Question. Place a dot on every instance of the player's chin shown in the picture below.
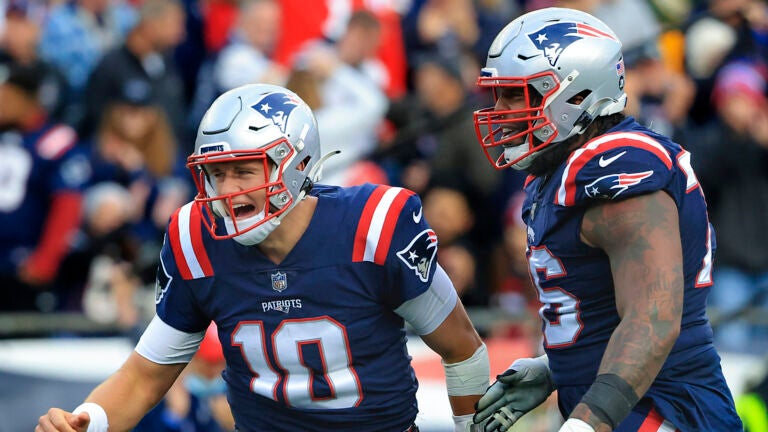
(514, 143)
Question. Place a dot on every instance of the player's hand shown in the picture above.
(59, 420)
(524, 386)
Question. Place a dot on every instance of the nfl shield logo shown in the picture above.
(279, 281)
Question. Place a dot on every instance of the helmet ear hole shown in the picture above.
(301, 166)
(578, 98)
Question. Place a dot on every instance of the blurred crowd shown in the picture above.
(100, 100)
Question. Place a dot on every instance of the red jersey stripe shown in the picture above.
(178, 253)
(385, 239)
(361, 236)
(567, 192)
(196, 234)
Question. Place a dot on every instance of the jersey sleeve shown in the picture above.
(71, 169)
(184, 267)
(412, 256)
(614, 167)
(391, 232)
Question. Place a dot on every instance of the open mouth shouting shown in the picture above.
(242, 211)
(515, 136)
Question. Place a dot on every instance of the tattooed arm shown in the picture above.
(641, 237)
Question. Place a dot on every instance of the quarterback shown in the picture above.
(309, 285)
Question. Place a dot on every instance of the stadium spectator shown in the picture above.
(19, 40)
(448, 27)
(135, 146)
(144, 59)
(348, 105)
(75, 35)
(102, 267)
(247, 57)
(729, 156)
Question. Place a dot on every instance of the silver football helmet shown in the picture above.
(264, 123)
(552, 56)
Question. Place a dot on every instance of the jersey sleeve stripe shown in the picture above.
(361, 235)
(528, 180)
(566, 193)
(178, 253)
(389, 223)
(377, 223)
(189, 251)
(54, 143)
(196, 234)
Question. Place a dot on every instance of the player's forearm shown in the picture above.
(461, 405)
(642, 239)
(629, 367)
(637, 350)
(131, 392)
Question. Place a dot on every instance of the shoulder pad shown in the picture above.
(377, 223)
(185, 234)
(614, 166)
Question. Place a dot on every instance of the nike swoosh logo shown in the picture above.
(605, 162)
(417, 217)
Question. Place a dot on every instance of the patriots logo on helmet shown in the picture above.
(553, 39)
(277, 107)
(612, 185)
(420, 253)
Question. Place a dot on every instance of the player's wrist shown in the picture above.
(610, 398)
(470, 376)
(576, 425)
(97, 414)
(461, 423)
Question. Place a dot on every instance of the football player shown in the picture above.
(41, 176)
(309, 285)
(619, 244)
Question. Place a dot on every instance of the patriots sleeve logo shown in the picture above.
(610, 186)
(162, 282)
(420, 253)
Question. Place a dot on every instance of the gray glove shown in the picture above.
(524, 386)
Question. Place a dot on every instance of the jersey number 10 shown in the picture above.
(327, 335)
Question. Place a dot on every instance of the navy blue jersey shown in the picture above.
(34, 167)
(312, 342)
(575, 283)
